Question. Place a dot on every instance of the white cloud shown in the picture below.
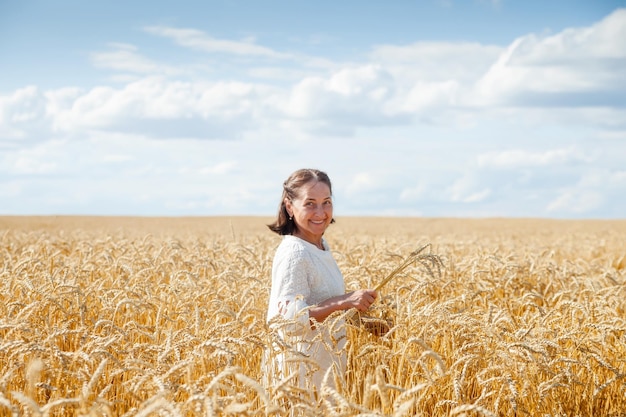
(604, 178)
(598, 189)
(478, 196)
(10, 190)
(349, 97)
(425, 81)
(436, 61)
(429, 96)
(519, 158)
(278, 73)
(22, 113)
(117, 158)
(45, 158)
(605, 39)
(432, 77)
(124, 57)
(196, 39)
(412, 194)
(615, 135)
(576, 67)
(221, 168)
(539, 122)
(26, 165)
(246, 48)
(160, 108)
(360, 183)
(575, 201)
(468, 190)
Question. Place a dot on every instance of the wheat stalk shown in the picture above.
(429, 260)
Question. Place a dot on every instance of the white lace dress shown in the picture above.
(302, 276)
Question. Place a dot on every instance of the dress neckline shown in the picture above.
(323, 248)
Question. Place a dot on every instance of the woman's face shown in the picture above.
(312, 211)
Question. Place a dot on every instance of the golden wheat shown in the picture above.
(142, 317)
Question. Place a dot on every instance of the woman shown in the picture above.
(306, 282)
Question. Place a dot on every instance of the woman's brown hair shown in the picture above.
(284, 225)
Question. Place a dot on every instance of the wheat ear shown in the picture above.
(427, 259)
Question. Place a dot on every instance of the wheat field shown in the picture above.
(166, 317)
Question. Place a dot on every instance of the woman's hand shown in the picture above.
(360, 299)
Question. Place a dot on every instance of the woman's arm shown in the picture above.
(360, 299)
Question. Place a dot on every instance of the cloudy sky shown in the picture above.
(464, 108)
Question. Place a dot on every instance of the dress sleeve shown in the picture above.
(291, 278)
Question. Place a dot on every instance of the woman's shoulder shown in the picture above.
(292, 251)
(294, 247)
(292, 244)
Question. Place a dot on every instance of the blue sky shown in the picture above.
(431, 108)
